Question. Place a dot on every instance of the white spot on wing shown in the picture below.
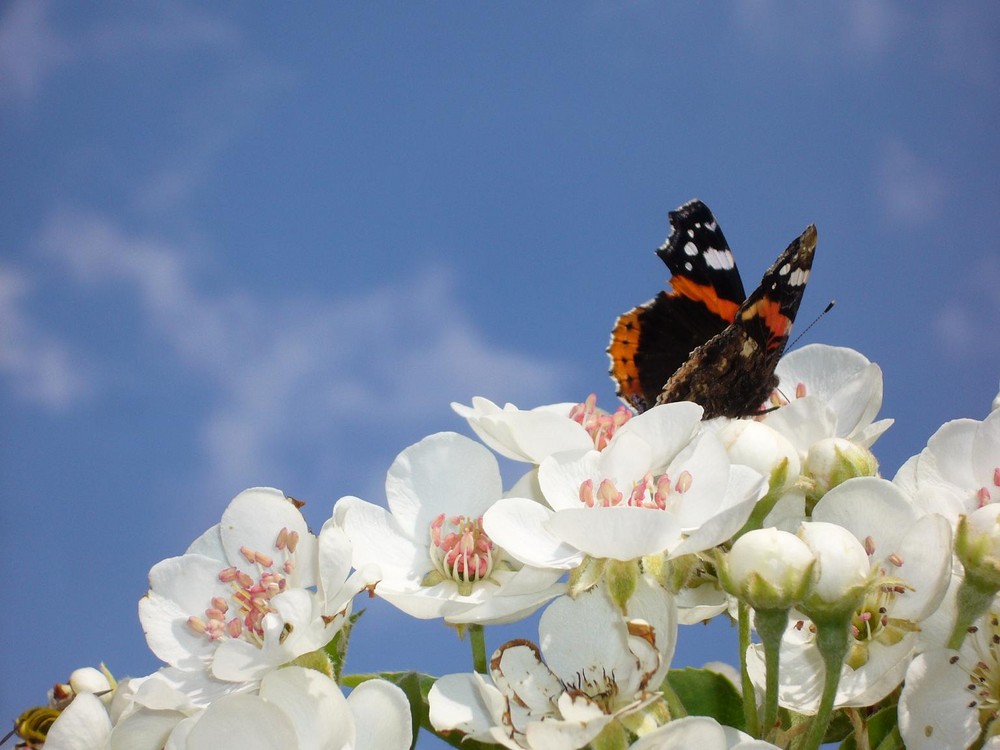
(799, 277)
(711, 226)
(688, 266)
(691, 249)
(719, 260)
(785, 269)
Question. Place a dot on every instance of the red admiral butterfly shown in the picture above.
(706, 341)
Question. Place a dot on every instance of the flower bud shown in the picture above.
(977, 544)
(833, 461)
(89, 680)
(760, 447)
(768, 569)
(842, 570)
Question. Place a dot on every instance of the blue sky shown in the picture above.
(267, 244)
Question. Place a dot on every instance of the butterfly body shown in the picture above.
(706, 341)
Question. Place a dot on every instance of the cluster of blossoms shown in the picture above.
(867, 608)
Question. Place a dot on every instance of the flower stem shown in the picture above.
(974, 599)
(770, 625)
(749, 696)
(477, 639)
(832, 639)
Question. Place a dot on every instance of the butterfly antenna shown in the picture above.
(814, 322)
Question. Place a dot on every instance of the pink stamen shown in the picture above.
(600, 425)
(800, 390)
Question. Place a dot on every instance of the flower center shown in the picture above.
(461, 551)
(985, 675)
(871, 622)
(600, 425)
(649, 492)
(242, 614)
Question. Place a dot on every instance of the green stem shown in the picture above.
(770, 625)
(974, 599)
(749, 696)
(832, 640)
(477, 639)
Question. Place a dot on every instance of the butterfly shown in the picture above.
(706, 341)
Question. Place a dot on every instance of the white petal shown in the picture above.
(519, 526)
(84, 725)
(619, 533)
(934, 710)
(465, 703)
(314, 704)
(244, 721)
(869, 507)
(253, 519)
(381, 716)
(667, 428)
(144, 730)
(443, 473)
(684, 733)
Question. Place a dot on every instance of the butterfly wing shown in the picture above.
(732, 374)
(650, 342)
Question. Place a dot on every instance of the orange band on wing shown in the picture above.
(778, 324)
(724, 308)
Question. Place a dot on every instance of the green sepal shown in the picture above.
(336, 649)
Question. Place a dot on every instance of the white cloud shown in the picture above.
(854, 30)
(290, 374)
(38, 367)
(909, 189)
(965, 327)
(32, 48)
(29, 49)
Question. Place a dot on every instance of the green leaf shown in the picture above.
(706, 693)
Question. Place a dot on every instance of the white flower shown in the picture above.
(435, 558)
(950, 696)
(648, 492)
(252, 593)
(869, 539)
(844, 380)
(959, 470)
(298, 708)
(701, 732)
(598, 668)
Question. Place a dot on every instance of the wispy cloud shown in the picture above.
(288, 374)
(909, 189)
(965, 326)
(38, 366)
(853, 31)
(29, 49)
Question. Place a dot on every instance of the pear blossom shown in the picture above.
(841, 378)
(252, 593)
(873, 544)
(672, 491)
(594, 669)
(435, 557)
(959, 470)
